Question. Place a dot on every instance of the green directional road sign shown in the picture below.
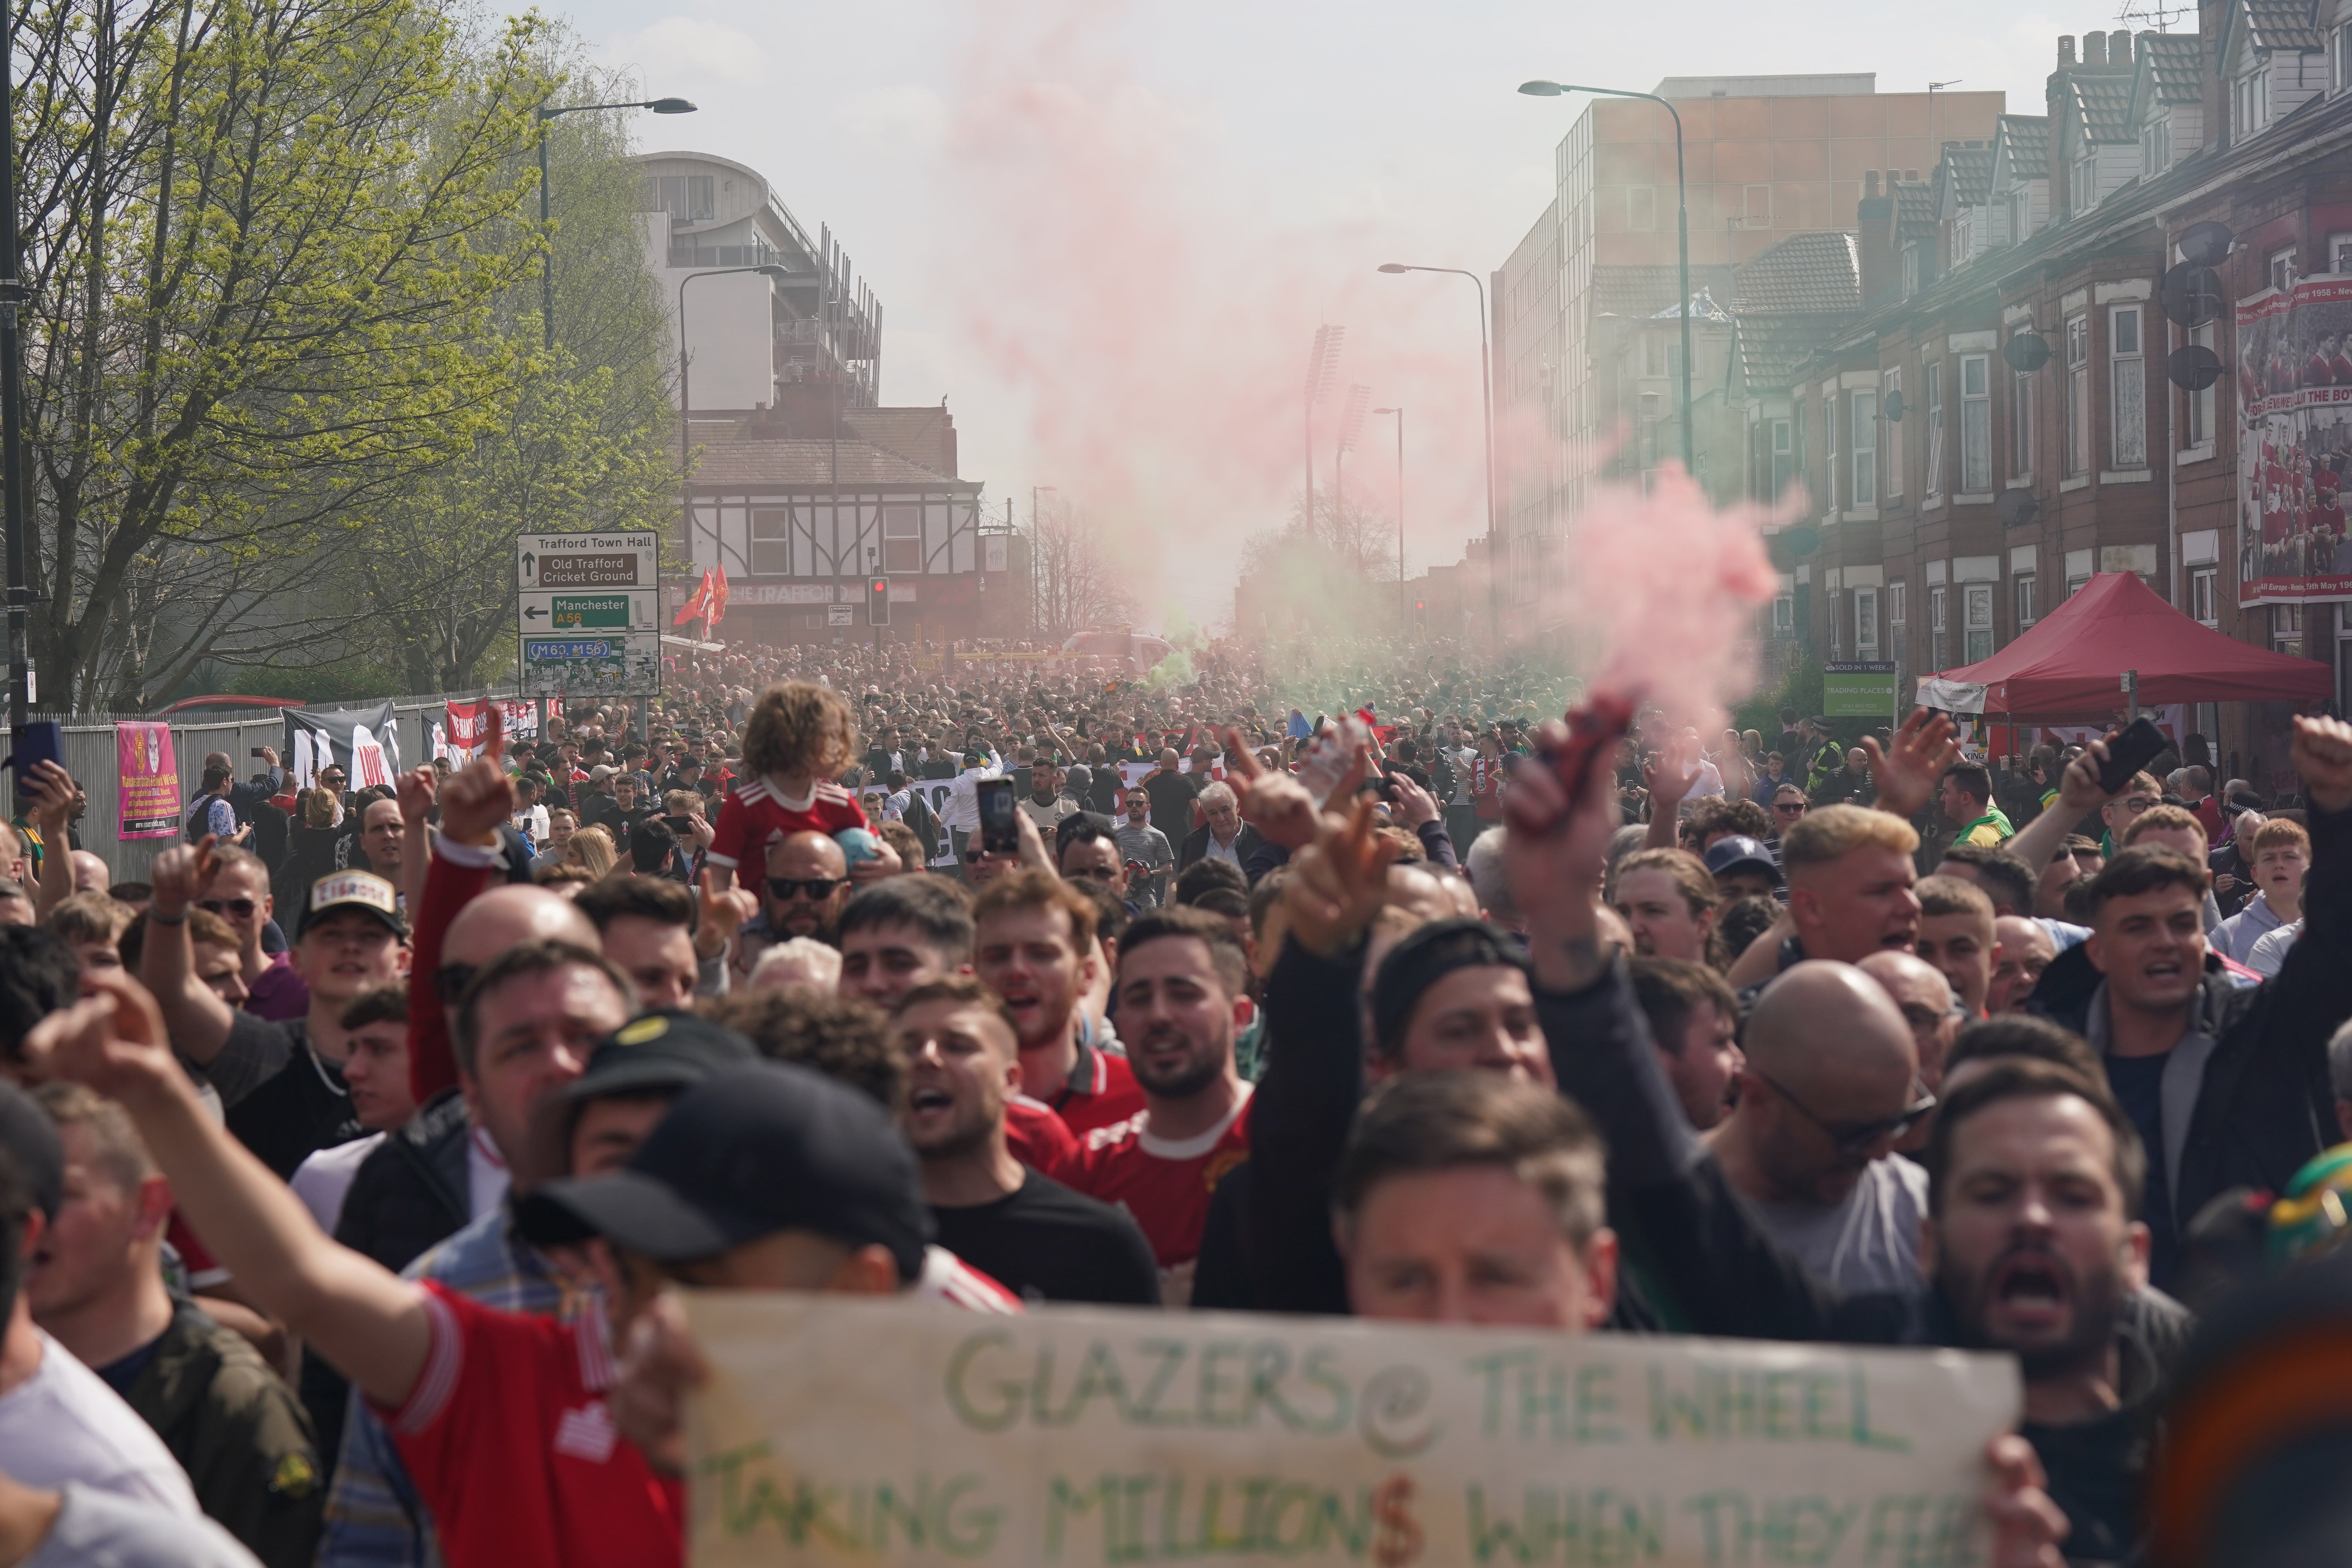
(590, 610)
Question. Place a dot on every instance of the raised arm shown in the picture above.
(47, 795)
(1909, 769)
(2313, 992)
(2078, 795)
(197, 1019)
(460, 861)
(364, 1319)
(1669, 778)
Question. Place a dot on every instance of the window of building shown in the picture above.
(1893, 380)
(2155, 146)
(1910, 270)
(1783, 435)
(1976, 424)
(2205, 595)
(1898, 627)
(1866, 622)
(2085, 190)
(1977, 606)
(2078, 395)
(2126, 388)
(1863, 407)
(2250, 97)
(2021, 427)
(2198, 424)
(1641, 206)
(2281, 269)
(2076, 584)
(1837, 624)
(1938, 639)
(2021, 596)
(1784, 612)
(1933, 483)
(687, 198)
(902, 538)
(1830, 454)
(2021, 216)
(2339, 245)
(2339, 50)
(1652, 415)
(771, 541)
(2286, 629)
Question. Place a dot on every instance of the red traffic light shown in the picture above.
(881, 585)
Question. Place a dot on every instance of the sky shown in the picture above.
(1105, 232)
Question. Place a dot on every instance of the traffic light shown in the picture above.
(877, 601)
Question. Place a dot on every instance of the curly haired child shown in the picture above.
(798, 736)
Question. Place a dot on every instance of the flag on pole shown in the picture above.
(718, 606)
(697, 604)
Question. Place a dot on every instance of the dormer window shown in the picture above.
(2250, 100)
(2087, 181)
(1910, 270)
(2155, 146)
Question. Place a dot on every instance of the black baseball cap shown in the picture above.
(1429, 955)
(750, 1151)
(657, 1051)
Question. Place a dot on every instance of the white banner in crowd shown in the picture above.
(848, 1431)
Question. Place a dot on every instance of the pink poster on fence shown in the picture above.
(147, 782)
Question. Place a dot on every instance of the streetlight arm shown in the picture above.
(1486, 403)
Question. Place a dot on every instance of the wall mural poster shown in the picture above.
(2294, 388)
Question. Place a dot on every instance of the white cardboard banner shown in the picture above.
(841, 1431)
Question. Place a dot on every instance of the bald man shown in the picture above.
(2026, 950)
(1830, 1086)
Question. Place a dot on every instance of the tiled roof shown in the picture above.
(1771, 349)
(2028, 136)
(2284, 25)
(1645, 290)
(2104, 104)
(1964, 176)
(1805, 274)
(2175, 63)
(1914, 211)
(726, 464)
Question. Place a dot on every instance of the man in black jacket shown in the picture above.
(2030, 1244)
(2227, 1085)
(1225, 835)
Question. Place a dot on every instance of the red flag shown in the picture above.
(718, 608)
(698, 604)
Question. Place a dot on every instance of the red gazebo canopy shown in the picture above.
(2067, 668)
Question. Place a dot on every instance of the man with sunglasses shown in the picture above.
(1831, 1085)
(239, 894)
(807, 887)
(1789, 806)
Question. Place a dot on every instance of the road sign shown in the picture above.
(1857, 691)
(838, 615)
(587, 607)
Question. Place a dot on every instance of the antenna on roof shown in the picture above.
(2158, 17)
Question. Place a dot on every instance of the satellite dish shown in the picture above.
(2026, 353)
(2016, 508)
(2190, 294)
(1802, 540)
(2205, 244)
(2194, 368)
(1894, 405)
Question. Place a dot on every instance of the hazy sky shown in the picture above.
(1105, 233)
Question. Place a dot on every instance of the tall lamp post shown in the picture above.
(686, 404)
(1399, 412)
(1486, 402)
(1682, 231)
(546, 258)
(12, 433)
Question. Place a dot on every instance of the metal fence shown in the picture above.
(91, 757)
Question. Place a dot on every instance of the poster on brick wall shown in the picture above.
(2294, 392)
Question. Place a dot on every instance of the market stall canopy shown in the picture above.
(2068, 667)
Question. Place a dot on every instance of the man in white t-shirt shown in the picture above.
(59, 1423)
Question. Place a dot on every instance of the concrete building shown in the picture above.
(1765, 158)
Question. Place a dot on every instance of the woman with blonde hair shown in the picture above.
(591, 847)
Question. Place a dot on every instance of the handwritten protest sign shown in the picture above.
(839, 1431)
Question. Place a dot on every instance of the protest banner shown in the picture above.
(147, 782)
(837, 1430)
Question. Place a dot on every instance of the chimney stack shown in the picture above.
(1881, 271)
(2095, 48)
(2065, 52)
(1869, 183)
(2119, 47)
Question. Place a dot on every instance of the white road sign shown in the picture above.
(587, 606)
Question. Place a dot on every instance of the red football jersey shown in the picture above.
(510, 1446)
(757, 815)
(1166, 1185)
(1101, 1090)
(1039, 1139)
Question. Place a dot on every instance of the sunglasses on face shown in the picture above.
(818, 889)
(1786, 809)
(236, 909)
(1854, 1138)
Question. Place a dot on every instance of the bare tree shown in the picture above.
(1079, 589)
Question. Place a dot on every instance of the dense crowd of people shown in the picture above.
(351, 1154)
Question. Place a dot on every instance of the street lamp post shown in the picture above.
(1399, 412)
(1486, 402)
(547, 258)
(686, 405)
(12, 433)
(1682, 232)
